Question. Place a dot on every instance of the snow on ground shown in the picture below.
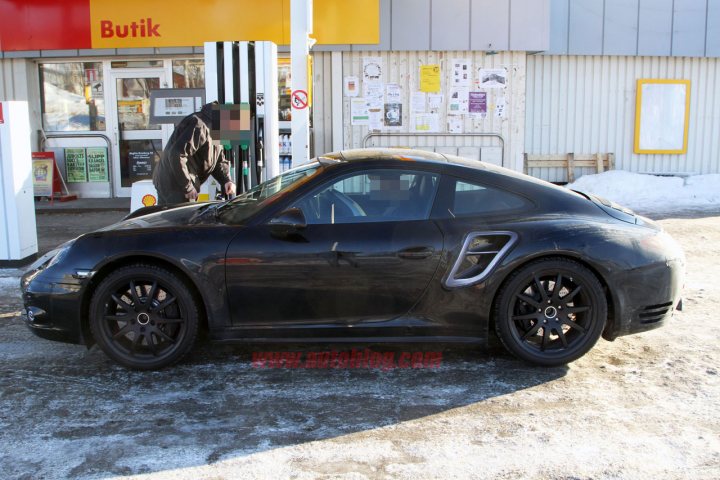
(650, 193)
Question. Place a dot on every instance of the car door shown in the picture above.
(365, 257)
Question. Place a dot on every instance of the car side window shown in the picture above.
(372, 196)
(475, 199)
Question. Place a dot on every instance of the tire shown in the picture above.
(547, 326)
(149, 329)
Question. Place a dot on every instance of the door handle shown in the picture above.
(415, 253)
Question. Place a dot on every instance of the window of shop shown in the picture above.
(189, 73)
(284, 89)
(72, 96)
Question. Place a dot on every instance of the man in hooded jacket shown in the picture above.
(189, 158)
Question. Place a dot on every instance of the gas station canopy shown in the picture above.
(83, 24)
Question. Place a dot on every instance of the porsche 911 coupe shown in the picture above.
(364, 245)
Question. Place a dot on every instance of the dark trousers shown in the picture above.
(170, 198)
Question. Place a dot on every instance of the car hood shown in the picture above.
(173, 216)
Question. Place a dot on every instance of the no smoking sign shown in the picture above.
(299, 99)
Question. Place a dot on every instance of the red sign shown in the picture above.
(2, 119)
(299, 99)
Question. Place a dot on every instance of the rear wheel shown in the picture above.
(144, 317)
(551, 312)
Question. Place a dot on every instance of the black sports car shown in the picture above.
(391, 245)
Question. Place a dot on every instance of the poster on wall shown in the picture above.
(430, 78)
(97, 164)
(435, 100)
(417, 101)
(359, 114)
(393, 114)
(141, 163)
(477, 103)
(43, 170)
(75, 165)
(460, 72)
(427, 122)
(351, 86)
(376, 114)
(393, 93)
(373, 90)
(458, 102)
(500, 107)
(372, 69)
(455, 124)
(492, 77)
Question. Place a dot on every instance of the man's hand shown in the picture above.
(192, 195)
(230, 189)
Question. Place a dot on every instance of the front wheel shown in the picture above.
(551, 312)
(144, 317)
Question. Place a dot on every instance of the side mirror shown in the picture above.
(288, 221)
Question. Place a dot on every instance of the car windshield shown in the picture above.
(249, 203)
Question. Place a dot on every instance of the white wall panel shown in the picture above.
(322, 121)
(403, 68)
(19, 81)
(586, 104)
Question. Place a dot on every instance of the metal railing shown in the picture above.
(369, 136)
(108, 142)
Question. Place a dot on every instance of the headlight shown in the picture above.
(52, 257)
(61, 253)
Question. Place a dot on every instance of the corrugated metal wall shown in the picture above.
(403, 68)
(586, 104)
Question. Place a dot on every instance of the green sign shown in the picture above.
(97, 164)
(75, 165)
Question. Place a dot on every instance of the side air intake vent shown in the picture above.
(654, 313)
(480, 253)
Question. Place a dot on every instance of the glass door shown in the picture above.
(138, 143)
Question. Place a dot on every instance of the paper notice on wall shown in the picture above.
(500, 107)
(417, 101)
(359, 114)
(427, 122)
(351, 86)
(430, 78)
(492, 77)
(458, 101)
(477, 104)
(393, 93)
(455, 124)
(435, 100)
(373, 90)
(375, 121)
(372, 69)
(461, 73)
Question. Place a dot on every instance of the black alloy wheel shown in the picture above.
(143, 317)
(551, 312)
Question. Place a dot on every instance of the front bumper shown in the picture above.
(646, 297)
(52, 309)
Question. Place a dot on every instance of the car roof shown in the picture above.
(425, 156)
(402, 154)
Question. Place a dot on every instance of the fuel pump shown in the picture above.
(245, 74)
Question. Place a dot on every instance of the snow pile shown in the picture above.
(650, 193)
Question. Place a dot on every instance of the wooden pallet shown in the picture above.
(599, 161)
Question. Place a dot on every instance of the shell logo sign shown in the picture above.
(34, 25)
(149, 200)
